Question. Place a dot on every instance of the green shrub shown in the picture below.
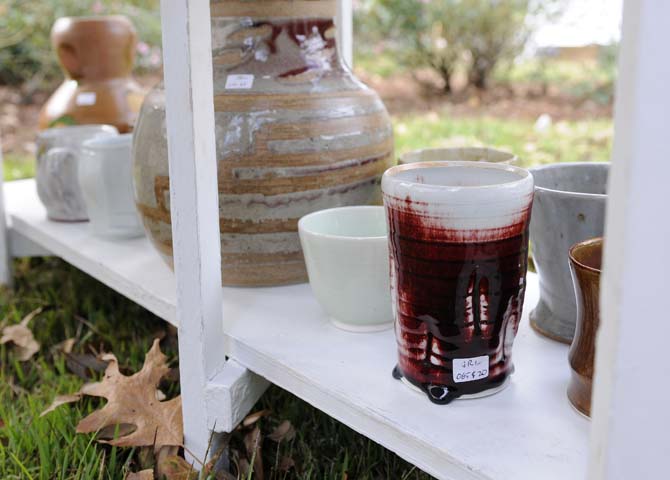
(446, 35)
(26, 55)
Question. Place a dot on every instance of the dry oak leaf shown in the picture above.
(61, 400)
(22, 337)
(132, 400)
(147, 474)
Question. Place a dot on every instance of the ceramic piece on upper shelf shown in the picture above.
(469, 154)
(56, 173)
(585, 266)
(346, 252)
(458, 234)
(296, 132)
(569, 207)
(106, 179)
(96, 55)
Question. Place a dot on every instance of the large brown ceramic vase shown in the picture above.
(96, 54)
(296, 132)
(585, 265)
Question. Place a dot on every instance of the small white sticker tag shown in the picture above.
(240, 82)
(470, 369)
(85, 98)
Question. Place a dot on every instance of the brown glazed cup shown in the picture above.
(585, 264)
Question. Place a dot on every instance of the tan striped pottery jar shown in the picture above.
(296, 132)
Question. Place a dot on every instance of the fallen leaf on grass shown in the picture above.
(284, 431)
(65, 346)
(132, 400)
(61, 400)
(22, 337)
(254, 417)
(175, 467)
(285, 464)
(84, 365)
(252, 442)
(147, 474)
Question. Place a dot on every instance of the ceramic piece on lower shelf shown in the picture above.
(58, 153)
(569, 207)
(585, 266)
(458, 234)
(346, 253)
(106, 179)
(465, 154)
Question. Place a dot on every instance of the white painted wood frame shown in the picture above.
(194, 207)
(631, 418)
(345, 30)
(5, 259)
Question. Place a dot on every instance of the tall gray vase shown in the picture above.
(569, 207)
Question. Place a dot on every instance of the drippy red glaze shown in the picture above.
(458, 295)
(299, 31)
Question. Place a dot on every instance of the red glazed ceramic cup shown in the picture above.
(458, 238)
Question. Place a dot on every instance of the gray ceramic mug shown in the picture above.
(56, 175)
(569, 207)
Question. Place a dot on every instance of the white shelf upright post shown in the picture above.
(631, 418)
(5, 259)
(216, 393)
(194, 201)
(345, 30)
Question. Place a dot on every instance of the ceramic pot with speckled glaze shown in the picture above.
(569, 207)
(458, 243)
(585, 265)
(296, 132)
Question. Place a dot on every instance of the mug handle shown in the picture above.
(61, 167)
(57, 159)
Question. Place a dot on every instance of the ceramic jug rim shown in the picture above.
(93, 19)
(523, 175)
(505, 156)
(590, 243)
(302, 224)
(108, 143)
(568, 165)
(76, 130)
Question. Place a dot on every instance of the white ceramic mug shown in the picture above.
(58, 153)
(106, 179)
(458, 154)
(346, 253)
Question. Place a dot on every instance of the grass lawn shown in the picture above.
(100, 320)
(578, 141)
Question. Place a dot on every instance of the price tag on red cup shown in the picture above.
(470, 369)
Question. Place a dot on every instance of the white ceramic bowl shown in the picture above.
(346, 252)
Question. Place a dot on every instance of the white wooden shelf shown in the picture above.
(131, 267)
(528, 431)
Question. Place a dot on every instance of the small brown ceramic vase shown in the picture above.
(585, 261)
(96, 54)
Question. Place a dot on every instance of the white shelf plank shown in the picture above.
(131, 267)
(528, 431)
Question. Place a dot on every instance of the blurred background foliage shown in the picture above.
(26, 56)
(474, 36)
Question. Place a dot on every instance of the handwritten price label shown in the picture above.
(239, 82)
(470, 369)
